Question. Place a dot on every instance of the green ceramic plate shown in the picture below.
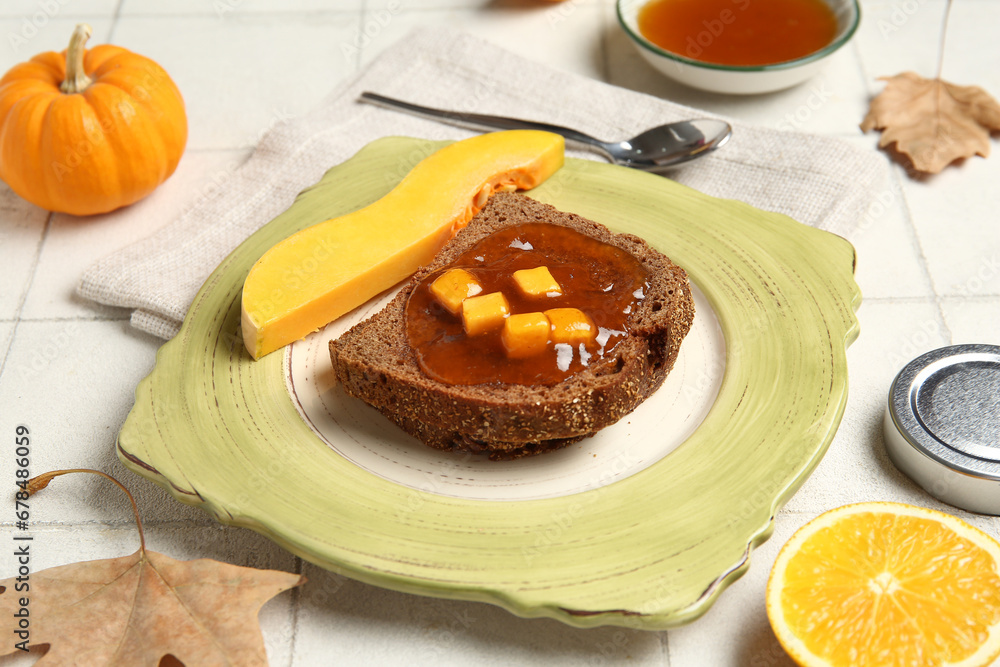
(643, 525)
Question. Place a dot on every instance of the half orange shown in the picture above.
(887, 584)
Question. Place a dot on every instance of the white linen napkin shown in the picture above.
(819, 181)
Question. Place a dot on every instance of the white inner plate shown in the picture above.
(363, 436)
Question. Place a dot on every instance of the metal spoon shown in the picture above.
(654, 150)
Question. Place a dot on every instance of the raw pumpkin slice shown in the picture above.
(887, 584)
(320, 273)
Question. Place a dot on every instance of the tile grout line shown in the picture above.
(247, 148)
(114, 21)
(938, 299)
(82, 16)
(865, 76)
(24, 293)
(297, 598)
(72, 318)
(118, 524)
(296, 609)
(665, 647)
(266, 14)
(606, 30)
(299, 563)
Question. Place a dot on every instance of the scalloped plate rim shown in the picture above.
(585, 618)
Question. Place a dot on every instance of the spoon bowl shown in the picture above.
(672, 144)
(657, 149)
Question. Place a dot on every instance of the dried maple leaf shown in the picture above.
(933, 122)
(135, 610)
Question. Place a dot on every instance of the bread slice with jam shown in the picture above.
(387, 362)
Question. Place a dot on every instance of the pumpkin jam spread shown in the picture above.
(530, 304)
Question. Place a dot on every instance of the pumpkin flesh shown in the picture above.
(324, 271)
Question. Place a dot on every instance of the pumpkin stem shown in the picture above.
(39, 482)
(76, 80)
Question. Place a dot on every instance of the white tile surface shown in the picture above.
(61, 263)
(928, 265)
(225, 9)
(567, 36)
(72, 383)
(236, 80)
(900, 36)
(21, 236)
(906, 36)
(20, 41)
(342, 623)
(51, 547)
(972, 319)
(40, 12)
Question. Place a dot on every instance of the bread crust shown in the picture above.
(374, 362)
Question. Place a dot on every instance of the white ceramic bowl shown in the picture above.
(731, 78)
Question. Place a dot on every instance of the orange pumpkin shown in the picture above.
(86, 132)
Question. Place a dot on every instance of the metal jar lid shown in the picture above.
(942, 425)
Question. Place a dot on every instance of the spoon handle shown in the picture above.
(480, 122)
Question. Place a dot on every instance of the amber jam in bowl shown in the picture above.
(739, 46)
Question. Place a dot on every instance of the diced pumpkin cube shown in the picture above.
(484, 313)
(570, 325)
(536, 282)
(525, 335)
(453, 287)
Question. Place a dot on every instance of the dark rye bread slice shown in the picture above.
(374, 362)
